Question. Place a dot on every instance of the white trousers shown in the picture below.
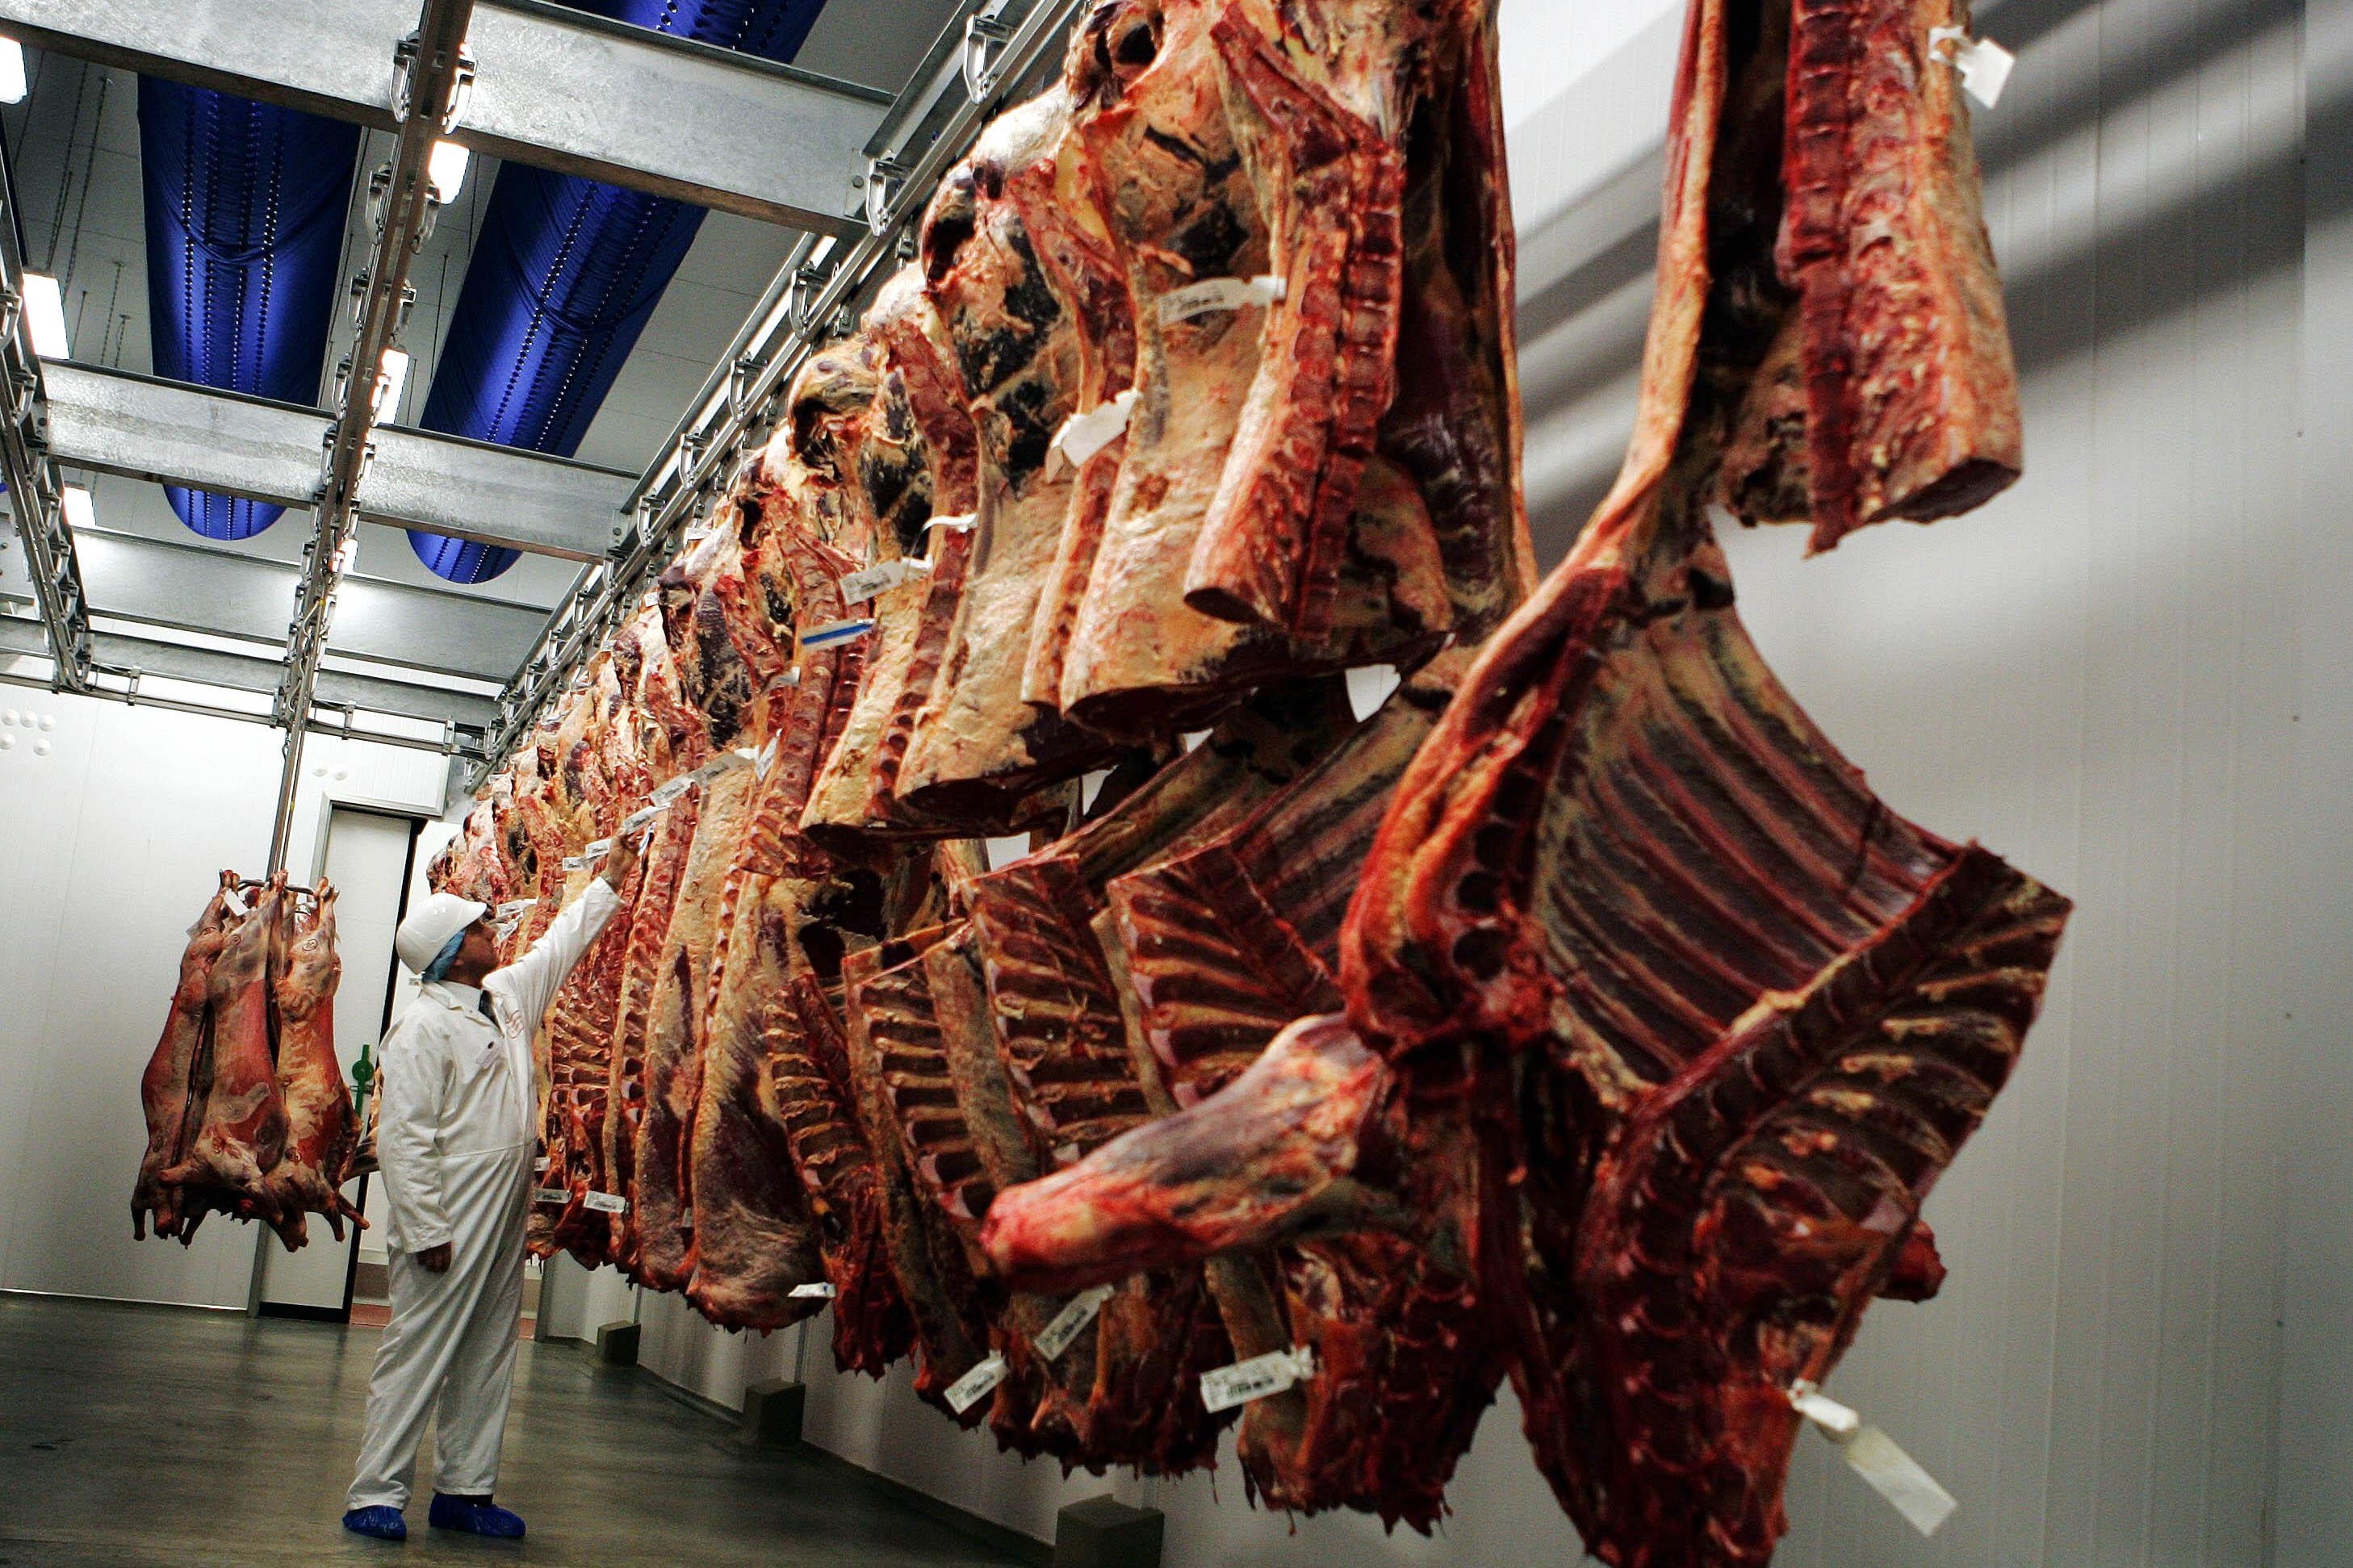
(451, 1341)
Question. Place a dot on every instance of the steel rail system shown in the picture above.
(427, 97)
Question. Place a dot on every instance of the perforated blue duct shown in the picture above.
(565, 273)
(245, 224)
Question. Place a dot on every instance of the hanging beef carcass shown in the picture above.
(234, 1103)
(1672, 1025)
(166, 1088)
(753, 1240)
(1155, 150)
(977, 746)
(320, 1128)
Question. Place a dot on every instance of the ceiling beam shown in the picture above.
(204, 588)
(115, 654)
(553, 87)
(119, 423)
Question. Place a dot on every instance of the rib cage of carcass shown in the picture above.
(1579, 1016)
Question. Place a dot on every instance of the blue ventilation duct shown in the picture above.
(245, 230)
(565, 273)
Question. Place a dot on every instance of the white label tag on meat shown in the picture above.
(515, 906)
(541, 1164)
(1876, 1457)
(790, 678)
(1084, 435)
(881, 578)
(505, 933)
(834, 632)
(607, 1203)
(550, 1195)
(233, 903)
(1984, 66)
(962, 522)
(667, 794)
(725, 763)
(576, 862)
(767, 758)
(597, 851)
(967, 1391)
(640, 817)
(1072, 1322)
(1219, 294)
(1256, 1378)
(819, 1291)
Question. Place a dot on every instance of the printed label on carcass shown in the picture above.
(541, 1164)
(505, 931)
(641, 818)
(1072, 1322)
(1084, 435)
(233, 903)
(597, 851)
(819, 1291)
(667, 794)
(1219, 294)
(834, 632)
(881, 578)
(965, 1392)
(576, 862)
(607, 1203)
(962, 522)
(790, 678)
(1876, 1457)
(1256, 1378)
(725, 763)
(1984, 66)
(515, 906)
(550, 1195)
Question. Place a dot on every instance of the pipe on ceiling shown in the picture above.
(565, 274)
(245, 216)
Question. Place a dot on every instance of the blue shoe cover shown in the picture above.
(382, 1523)
(475, 1518)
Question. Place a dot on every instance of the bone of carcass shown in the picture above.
(1731, 1015)
(164, 1088)
(320, 1129)
(935, 1278)
(809, 1068)
(976, 744)
(1320, 99)
(1889, 391)
(240, 1119)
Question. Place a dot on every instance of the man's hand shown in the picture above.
(619, 861)
(436, 1259)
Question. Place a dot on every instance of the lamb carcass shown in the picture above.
(166, 1088)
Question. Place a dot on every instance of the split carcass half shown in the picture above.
(164, 1088)
(1659, 1026)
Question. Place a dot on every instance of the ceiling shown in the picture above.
(74, 148)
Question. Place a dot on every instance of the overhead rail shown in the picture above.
(986, 52)
(35, 494)
(117, 422)
(427, 96)
(553, 87)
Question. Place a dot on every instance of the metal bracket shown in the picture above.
(985, 38)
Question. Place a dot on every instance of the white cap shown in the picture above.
(431, 925)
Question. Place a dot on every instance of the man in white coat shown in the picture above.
(455, 1139)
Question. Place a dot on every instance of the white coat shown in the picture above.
(455, 1139)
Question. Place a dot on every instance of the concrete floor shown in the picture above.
(133, 1437)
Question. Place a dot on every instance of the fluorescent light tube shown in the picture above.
(45, 317)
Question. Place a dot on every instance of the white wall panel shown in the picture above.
(111, 842)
